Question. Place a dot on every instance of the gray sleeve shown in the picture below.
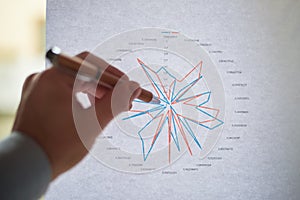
(25, 170)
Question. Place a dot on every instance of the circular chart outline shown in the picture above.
(182, 56)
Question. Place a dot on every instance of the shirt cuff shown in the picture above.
(25, 170)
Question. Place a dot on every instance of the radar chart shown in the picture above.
(189, 119)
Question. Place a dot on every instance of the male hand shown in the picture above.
(46, 112)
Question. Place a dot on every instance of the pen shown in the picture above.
(92, 71)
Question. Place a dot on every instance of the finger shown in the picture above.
(28, 80)
(90, 88)
(103, 109)
(107, 108)
(57, 75)
(102, 64)
(134, 86)
(99, 94)
(123, 95)
(87, 124)
(26, 85)
(113, 102)
(135, 94)
(100, 90)
(83, 54)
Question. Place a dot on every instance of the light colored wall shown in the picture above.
(22, 48)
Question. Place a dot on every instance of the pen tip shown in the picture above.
(155, 100)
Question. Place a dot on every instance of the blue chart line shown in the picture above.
(166, 115)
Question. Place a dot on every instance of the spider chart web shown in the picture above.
(189, 119)
(181, 113)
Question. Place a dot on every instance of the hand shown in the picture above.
(46, 112)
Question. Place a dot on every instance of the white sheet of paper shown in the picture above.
(255, 46)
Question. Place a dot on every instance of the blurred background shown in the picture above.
(22, 50)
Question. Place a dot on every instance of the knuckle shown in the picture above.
(83, 54)
(30, 77)
(136, 84)
(133, 85)
(49, 75)
(124, 77)
(46, 75)
(28, 80)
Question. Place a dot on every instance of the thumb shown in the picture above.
(116, 101)
(123, 95)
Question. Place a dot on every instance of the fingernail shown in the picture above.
(133, 85)
(137, 93)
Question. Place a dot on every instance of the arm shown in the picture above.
(24, 168)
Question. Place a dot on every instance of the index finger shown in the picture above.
(102, 64)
